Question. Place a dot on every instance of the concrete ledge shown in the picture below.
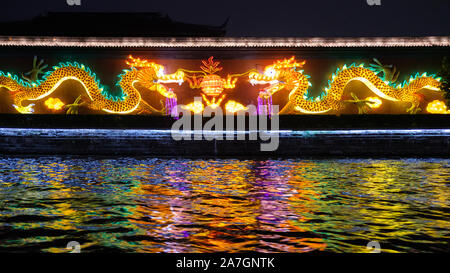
(287, 122)
(396, 142)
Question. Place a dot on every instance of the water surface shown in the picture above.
(232, 205)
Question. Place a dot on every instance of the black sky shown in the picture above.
(272, 18)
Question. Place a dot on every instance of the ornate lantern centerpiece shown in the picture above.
(211, 84)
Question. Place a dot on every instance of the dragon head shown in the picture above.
(152, 76)
(277, 75)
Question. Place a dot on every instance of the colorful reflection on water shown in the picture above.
(232, 205)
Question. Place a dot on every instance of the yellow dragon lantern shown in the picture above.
(284, 74)
(128, 100)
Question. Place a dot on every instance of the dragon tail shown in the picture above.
(12, 83)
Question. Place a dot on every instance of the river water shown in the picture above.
(137, 204)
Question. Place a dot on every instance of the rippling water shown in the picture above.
(233, 205)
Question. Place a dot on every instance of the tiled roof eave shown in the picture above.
(224, 42)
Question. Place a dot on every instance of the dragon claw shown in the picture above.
(25, 109)
(414, 109)
(38, 68)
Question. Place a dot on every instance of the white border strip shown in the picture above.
(114, 133)
(223, 42)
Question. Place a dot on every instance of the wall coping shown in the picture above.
(224, 42)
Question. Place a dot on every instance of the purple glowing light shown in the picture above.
(171, 107)
(264, 106)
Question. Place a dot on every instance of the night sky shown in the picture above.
(273, 18)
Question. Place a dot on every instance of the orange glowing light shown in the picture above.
(213, 103)
(196, 107)
(212, 85)
(138, 62)
(211, 66)
(437, 107)
(374, 102)
(286, 63)
(54, 103)
(230, 83)
(233, 106)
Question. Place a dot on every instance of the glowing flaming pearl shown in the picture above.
(196, 107)
(54, 103)
(437, 107)
(374, 102)
(232, 106)
(212, 85)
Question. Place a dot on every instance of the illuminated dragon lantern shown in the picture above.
(284, 74)
(150, 75)
(144, 75)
